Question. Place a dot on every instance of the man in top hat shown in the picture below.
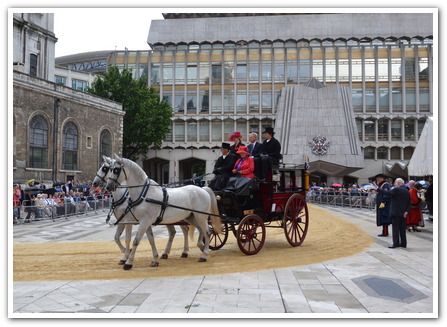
(383, 204)
(270, 151)
(222, 168)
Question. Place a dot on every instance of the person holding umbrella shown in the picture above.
(382, 204)
(28, 203)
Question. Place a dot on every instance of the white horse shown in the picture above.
(189, 203)
(119, 205)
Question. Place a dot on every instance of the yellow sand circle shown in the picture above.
(328, 238)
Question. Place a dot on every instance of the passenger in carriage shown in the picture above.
(254, 147)
(222, 168)
(270, 150)
(245, 166)
(236, 137)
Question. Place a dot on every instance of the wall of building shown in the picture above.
(90, 114)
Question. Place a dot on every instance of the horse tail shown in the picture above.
(215, 217)
(191, 230)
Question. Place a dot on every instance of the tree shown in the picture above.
(147, 120)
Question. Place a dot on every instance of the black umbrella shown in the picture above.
(87, 186)
(58, 184)
(18, 182)
(32, 188)
(49, 191)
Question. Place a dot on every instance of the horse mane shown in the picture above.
(138, 170)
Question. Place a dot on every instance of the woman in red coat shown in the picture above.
(415, 214)
(245, 166)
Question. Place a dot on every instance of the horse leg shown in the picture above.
(185, 230)
(151, 238)
(171, 231)
(127, 249)
(119, 231)
(202, 222)
(143, 228)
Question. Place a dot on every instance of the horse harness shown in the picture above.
(131, 204)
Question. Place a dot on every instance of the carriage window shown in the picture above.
(70, 147)
(38, 155)
(106, 144)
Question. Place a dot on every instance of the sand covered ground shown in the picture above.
(328, 238)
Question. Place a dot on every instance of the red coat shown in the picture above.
(415, 214)
(247, 167)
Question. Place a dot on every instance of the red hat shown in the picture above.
(243, 149)
(235, 134)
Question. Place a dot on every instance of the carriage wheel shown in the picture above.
(296, 220)
(251, 234)
(217, 240)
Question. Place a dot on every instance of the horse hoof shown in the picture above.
(164, 256)
(184, 255)
(122, 262)
(154, 264)
(127, 267)
(202, 260)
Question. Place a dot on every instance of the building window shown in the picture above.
(216, 130)
(79, 85)
(408, 153)
(155, 74)
(33, 65)
(179, 131)
(396, 130)
(38, 155)
(370, 130)
(395, 153)
(106, 143)
(409, 130)
(192, 130)
(382, 153)
(70, 147)
(382, 130)
(368, 153)
(204, 130)
(424, 99)
(61, 80)
(357, 100)
(89, 142)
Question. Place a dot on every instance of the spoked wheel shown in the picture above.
(296, 220)
(251, 234)
(217, 240)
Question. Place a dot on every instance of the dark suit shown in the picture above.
(222, 170)
(270, 155)
(400, 204)
(254, 149)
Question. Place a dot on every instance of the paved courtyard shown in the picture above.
(379, 282)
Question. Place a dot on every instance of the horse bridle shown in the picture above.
(117, 171)
(105, 170)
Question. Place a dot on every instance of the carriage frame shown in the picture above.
(276, 202)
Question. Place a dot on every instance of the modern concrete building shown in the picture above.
(59, 133)
(224, 72)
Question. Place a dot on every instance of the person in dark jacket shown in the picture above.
(222, 168)
(429, 198)
(383, 205)
(399, 208)
(29, 205)
(270, 151)
(254, 148)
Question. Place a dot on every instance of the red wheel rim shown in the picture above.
(251, 234)
(296, 220)
(217, 240)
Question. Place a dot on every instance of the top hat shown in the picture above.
(243, 149)
(268, 130)
(235, 134)
(225, 146)
(379, 175)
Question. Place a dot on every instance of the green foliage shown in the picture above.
(147, 120)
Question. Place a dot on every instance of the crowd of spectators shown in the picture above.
(350, 196)
(37, 200)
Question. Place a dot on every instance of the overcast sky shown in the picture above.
(90, 29)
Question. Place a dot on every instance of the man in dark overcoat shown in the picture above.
(222, 168)
(270, 151)
(383, 205)
(399, 208)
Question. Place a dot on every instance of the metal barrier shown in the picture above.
(362, 200)
(24, 214)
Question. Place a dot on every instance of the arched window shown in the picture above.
(70, 147)
(105, 144)
(38, 154)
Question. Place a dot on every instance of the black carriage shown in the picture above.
(248, 206)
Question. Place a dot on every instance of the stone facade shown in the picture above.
(58, 105)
